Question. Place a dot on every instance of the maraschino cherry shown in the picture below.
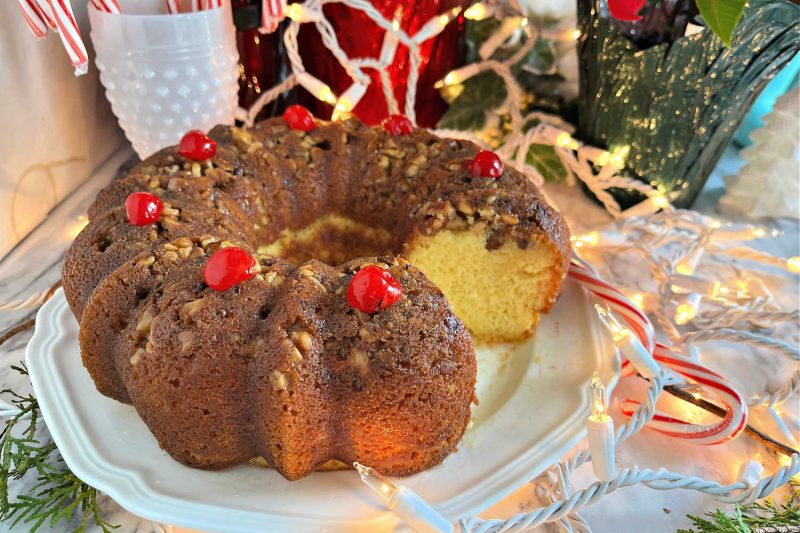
(372, 289)
(143, 208)
(486, 165)
(398, 125)
(228, 267)
(197, 145)
(299, 118)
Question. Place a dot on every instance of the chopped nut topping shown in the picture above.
(359, 360)
(197, 170)
(183, 242)
(146, 262)
(190, 309)
(463, 207)
(511, 220)
(144, 323)
(302, 339)
(278, 380)
(137, 356)
(171, 256)
(186, 338)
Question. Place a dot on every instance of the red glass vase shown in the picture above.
(360, 37)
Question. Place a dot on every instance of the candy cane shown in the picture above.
(106, 6)
(636, 320)
(173, 6)
(272, 13)
(70, 35)
(734, 403)
(34, 17)
(47, 13)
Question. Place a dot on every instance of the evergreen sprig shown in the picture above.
(766, 516)
(58, 494)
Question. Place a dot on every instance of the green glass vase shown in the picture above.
(677, 104)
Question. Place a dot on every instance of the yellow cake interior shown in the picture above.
(332, 239)
(496, 293)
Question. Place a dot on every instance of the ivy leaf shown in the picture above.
(545, 160)
(482, 93)
(722, 16)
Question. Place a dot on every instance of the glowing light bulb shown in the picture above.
(565, 139)
(793, 264)
(598, 391)
(684, 268)
(575, 34)
(374, 480)
(347, 101)
(618, 333)
(587, 239)
(298, 13)
(316, 87)
(638, 299)
(604, 158)
(476, 12)
(629, 345)
(458, 76)
(404, 502)
(619, 155)
(686, 311)
(660, 201)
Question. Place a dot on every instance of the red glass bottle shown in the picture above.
(262, 62)
(360, 37)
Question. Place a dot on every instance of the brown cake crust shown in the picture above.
(281, 366)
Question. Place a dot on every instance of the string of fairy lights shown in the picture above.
(694, 296)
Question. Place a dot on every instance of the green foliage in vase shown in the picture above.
(480, 104)
(766, 516)
(722, 16)
(58, 495)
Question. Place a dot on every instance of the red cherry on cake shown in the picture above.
(143, 208)
(197, 145)
(397, 125)
(372, 289)
(299, 118)
(228, 267)
(486, 165)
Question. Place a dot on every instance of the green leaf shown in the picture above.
(482, 93)
(722, 16)
(545, 160)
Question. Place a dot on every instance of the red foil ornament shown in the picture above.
(360, 37)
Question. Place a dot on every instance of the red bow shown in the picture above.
(626, 9)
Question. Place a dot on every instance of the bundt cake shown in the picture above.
(207, 299)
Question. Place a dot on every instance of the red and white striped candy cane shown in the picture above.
(34, 17)
(107, 6)
(734, 403)
(70, 35)
(272, 13)
(47, 13)
(173, 6)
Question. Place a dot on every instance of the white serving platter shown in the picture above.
(533, 408)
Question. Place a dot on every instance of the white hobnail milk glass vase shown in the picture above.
(166, 74)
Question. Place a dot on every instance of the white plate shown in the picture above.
(534, 403)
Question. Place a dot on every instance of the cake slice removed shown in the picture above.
(500, 260)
